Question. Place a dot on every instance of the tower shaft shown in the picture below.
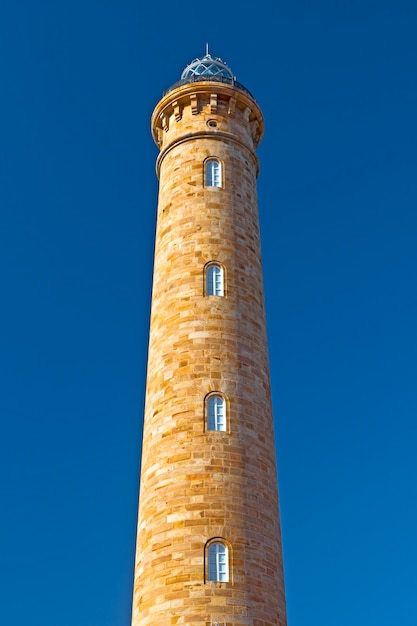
(209, 540)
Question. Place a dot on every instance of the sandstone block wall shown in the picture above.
(198, 484)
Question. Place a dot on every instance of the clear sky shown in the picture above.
(337, 83)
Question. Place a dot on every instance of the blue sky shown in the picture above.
(338, 195)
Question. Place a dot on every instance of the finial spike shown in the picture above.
(207, 48)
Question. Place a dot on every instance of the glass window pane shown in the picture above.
(213, 173)
(214, 280)
(218, 562)
(216, 413)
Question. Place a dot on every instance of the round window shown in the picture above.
(212, 123)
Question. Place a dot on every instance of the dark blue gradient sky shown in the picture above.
(337, 83)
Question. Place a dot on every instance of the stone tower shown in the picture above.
(209, 539)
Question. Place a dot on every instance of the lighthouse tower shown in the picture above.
(209, 540)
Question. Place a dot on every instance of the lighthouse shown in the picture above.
(208, 548)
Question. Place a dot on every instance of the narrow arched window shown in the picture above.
(214, 280)
(218, 562)
(216, 413)
(213, 173)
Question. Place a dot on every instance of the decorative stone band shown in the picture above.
(221, 136)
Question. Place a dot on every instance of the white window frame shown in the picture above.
(212, 173)
(216, 412)
(214, 280)
(218, 562)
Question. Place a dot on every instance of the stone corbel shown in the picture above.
(254, 129)
(194, 104)
(164, 121)
(232, 106)
(177, 110)
(213, 103)
(246, 114)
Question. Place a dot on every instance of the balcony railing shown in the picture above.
(204, 78)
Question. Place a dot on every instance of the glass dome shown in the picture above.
(207, 66)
